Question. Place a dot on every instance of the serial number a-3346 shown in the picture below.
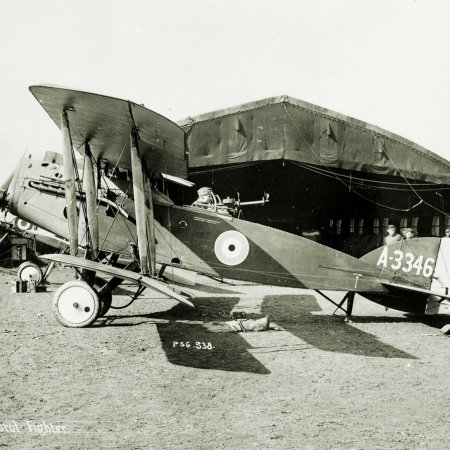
(407, 262)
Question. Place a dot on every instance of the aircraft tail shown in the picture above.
(419, 274)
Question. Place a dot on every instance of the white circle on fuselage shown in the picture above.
(231, 248)
(23, 225)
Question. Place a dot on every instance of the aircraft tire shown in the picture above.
(29, 271)
(105, 300)
(76, 304)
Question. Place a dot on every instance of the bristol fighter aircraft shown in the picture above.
(140, 235)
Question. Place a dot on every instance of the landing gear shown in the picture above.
(105, 297)
(106, 302)
(76, 304)
(29, 271)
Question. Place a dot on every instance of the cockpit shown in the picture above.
(210, 201)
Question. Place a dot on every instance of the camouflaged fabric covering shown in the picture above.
(286, 128)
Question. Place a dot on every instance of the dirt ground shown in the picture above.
(129, 382)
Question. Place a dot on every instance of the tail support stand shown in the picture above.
(350, 301)
(349, 297)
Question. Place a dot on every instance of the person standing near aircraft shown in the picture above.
(447, 233)
(392, 235)
(408, 233)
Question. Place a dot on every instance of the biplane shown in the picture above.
(139, 235)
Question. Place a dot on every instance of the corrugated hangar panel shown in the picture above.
(287, 128)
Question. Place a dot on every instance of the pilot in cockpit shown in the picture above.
(205, 198)
(212, 202)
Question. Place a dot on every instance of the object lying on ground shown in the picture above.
(445, 330)
(261, 324)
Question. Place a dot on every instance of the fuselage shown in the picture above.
(192, 238)
(203, 241)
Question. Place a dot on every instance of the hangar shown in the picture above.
(330, 177)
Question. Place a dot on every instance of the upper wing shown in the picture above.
(106, 122)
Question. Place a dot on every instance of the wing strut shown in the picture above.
(144, 209)
(90, 188)
(150, 223)
(69, 182)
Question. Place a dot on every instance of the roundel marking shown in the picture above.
(231, 248)
(22, 225)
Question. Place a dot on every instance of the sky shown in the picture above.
(384, 62)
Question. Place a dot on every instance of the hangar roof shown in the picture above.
(287, 128)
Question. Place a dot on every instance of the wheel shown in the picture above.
(105, 300)
(76, 304)
(29, 271)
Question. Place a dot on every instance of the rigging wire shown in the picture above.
(331, 174)
(220, 169)
(349, 186)
(88, 221)
(105, 179)
(412, 188)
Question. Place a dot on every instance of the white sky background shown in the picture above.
(384, 62)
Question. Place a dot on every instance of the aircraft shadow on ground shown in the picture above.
(325, 332)
(431, 321)
(201, 327)
(229, 289)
